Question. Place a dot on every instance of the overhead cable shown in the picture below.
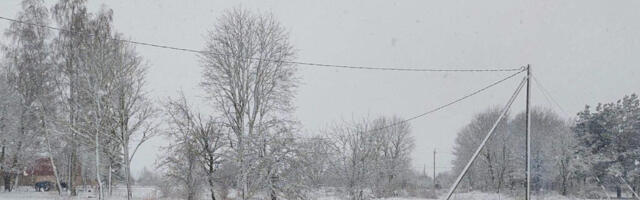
(272, 60)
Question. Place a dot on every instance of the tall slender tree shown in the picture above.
(27, 57)
(9, 109)
(70, 15)
(130, 109)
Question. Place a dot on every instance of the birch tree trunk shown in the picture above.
(110, 184)
(97, 137)
(15, 184)
(53, 164)
(127, 169)
(97, 146)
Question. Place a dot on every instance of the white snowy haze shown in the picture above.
(583, 52)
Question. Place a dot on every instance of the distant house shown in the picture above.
(39, 170)
(42, 170)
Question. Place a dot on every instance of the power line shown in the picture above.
(448, 104)
(442, 106)
(548, 96)
(545, 96)
(271, 60)
(519, 70)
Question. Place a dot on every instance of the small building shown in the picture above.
(40, 170)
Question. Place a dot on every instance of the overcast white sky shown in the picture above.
(583, 52)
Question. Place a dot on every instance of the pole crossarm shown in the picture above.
(505, 110)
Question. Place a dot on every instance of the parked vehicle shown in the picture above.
(43, 186)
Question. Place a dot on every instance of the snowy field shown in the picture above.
(149, 193)
(29, 193)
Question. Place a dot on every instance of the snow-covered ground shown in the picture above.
(494, 196)
(150, 193)
(29, 193)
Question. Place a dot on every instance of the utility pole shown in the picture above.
(484, 141)
(434, 172)
(528, 136)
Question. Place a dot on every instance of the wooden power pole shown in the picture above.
(434, 173)
(528, 136)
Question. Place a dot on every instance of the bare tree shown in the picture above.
(70, 15)
(9, 109)
(371, 155)
(494, 163)
(181, 162)
(355, 154)
(394, 145)
(500, 163)
(252, 95)
(132, 111)
(112, 75)
(551, 152)
(318, 159)
(207, 138)
(562, 155)
(97, 88)
(28, 59)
